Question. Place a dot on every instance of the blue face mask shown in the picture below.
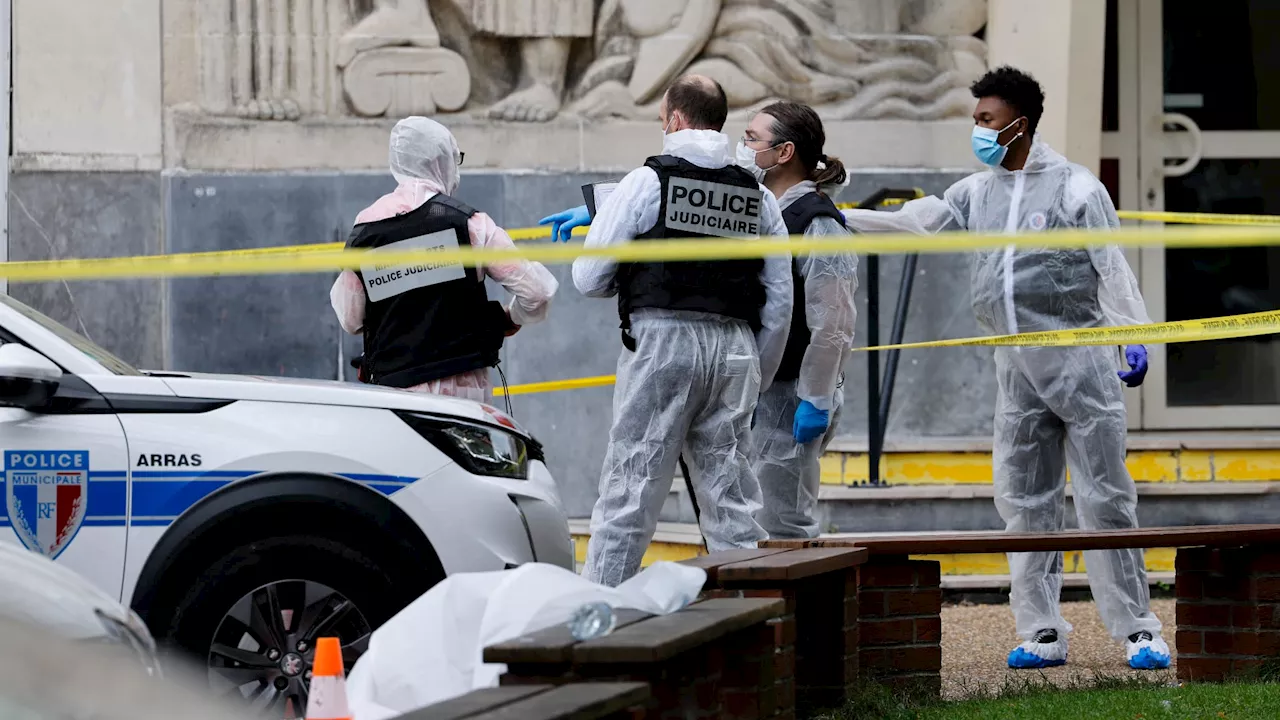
(986, 144)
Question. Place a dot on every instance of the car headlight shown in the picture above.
(480, 449)
(132, 634)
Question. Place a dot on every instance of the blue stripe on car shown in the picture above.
(160, 496)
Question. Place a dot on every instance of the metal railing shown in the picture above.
(880, 390)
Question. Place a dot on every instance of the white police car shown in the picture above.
(243, 517)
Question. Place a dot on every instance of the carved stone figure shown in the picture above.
(545, 30)
(281, 59)
(272, 59)
(849, 59)
(393, 64)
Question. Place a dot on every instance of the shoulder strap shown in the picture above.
(453, 204)
(805, 209)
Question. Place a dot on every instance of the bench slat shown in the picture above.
(665, 636)
(475, 702)
(550, 645)
(983, 542)
(578, 701)
(714, 561)
(794, 565)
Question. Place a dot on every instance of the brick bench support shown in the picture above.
(815, 658)
(713, 659)
(1228, 611)
(900, 622)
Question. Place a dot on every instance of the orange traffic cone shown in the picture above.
(327, 698)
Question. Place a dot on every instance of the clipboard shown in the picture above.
(595, 194)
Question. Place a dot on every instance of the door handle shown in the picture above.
(1197, 144)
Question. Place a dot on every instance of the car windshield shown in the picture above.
(77, 341)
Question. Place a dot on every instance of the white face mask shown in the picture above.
(747, 161)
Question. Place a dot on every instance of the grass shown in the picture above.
(1035, 698)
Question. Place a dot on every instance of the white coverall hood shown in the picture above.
(425, 155)
(704, 148)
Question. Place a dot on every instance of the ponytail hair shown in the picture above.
(800, 125)
(830, 171)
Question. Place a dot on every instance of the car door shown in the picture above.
(64, 483)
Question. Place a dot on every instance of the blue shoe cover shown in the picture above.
(1146, 659)
(1023, 660)
(1147, 652)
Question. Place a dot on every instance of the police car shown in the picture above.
(243, 517)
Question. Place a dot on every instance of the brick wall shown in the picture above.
(900, 602)
(816, 659)
(779, 694)
(1228, 611)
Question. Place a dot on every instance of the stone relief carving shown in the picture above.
(283, 59)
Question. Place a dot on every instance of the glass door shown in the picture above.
(1208, 140)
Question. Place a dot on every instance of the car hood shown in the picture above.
(330, 392)
(35, 590)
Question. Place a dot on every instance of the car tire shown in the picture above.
(377, 593)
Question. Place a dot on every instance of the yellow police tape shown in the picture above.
(1184, 218)
(270, 261)
(554, 385)
(1219, 328)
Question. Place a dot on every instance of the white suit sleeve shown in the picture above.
(1118, 292)
(775, 317)
(631, 210)
(531, 284)
(925, 216)
(348, 299)
(830, 284)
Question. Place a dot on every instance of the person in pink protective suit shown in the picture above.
(427, 327)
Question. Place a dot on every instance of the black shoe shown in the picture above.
(1047, 635)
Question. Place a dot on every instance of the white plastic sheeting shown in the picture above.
(431, 651)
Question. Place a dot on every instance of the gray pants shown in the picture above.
(691, 386)
(789, 473)
(1054, 407)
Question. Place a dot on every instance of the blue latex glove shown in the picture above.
(563, 223)
(1136, 355)
(810, 422)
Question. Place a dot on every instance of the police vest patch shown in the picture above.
(385, 281)
(711, 208)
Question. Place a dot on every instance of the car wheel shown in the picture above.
(255, 614)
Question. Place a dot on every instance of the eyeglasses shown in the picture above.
(461, 156)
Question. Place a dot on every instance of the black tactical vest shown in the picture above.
(797, 216)
(425, 322)
(698, 203)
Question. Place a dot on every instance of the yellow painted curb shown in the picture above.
(1157, 560)
(961, 468)
(665, 551)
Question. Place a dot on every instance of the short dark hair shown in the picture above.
(700, 100)
(1018, 89)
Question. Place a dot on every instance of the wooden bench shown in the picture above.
(713, 659)
(583, 701)
(1227, 587)
(816, 639)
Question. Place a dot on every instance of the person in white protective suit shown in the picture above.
(701, 339)
(1055, 406)
(434, 331)
(796, 417)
